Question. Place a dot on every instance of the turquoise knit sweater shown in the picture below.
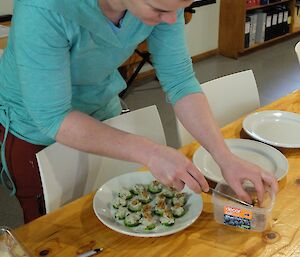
(63, 55)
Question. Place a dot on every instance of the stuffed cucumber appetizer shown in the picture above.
(148, 221)
(137, 189)
(167, 219)
(119, 202)
(121, 213)
(134, 205)
(160, 207)
(179, 199)
(133, 219)
(144, 197)
(155, 187)
(125, 194)
(177, 210)
(147, 208)
(159, 198)
(169, 192)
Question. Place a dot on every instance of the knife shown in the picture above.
(230, 197)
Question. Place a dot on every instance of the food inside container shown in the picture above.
(9, 245)
(230, 213)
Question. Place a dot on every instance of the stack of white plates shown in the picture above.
(274, 128)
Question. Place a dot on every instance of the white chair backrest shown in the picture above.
(68, 174)
(297, 50)
(144, 122)
(229, 97)
(1, 52)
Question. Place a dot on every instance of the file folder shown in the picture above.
(268, 30)
(261, 27)
(253, 25)
(274, 26)
(247, 32)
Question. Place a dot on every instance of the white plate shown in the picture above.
(276, 128)
(258, 153)
(104, 210)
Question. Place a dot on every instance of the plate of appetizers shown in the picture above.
(136, 204)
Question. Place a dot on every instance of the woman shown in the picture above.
(59, 79)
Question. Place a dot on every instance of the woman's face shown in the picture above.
(152, 12)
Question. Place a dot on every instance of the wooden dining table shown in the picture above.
(74, 228)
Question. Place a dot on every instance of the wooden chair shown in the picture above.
(229, 97)
(68, 174)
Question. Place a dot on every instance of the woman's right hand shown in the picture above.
(172, 168)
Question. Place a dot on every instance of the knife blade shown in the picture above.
(230, 197)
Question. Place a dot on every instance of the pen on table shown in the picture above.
(90, 253)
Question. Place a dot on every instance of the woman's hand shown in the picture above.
(236, 171)
(173, 169)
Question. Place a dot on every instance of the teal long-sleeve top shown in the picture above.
(63, 55)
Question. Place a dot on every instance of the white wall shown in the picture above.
(203, 30)
(6, 6)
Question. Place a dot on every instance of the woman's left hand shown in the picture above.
(236, 171)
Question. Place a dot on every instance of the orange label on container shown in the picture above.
(237, 212)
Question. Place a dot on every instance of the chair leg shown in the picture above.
(145, 59)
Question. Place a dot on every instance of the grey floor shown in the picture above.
(276, 70)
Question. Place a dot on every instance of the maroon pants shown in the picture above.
(24, 170)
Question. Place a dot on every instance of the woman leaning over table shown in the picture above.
(59, 79)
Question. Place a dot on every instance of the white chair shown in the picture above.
(297, 50)
(68, 174)
(229, 97)
(1, 52)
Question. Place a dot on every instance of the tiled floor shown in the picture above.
(276, 70)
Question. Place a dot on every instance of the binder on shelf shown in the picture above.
(268, 29)
(235, 9)
(274, 26)
(247, 32)
(261, 27)
(281, 30)
(286, 28)
(253, 25)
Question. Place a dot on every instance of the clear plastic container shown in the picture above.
(9, 245)
(230, 213)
